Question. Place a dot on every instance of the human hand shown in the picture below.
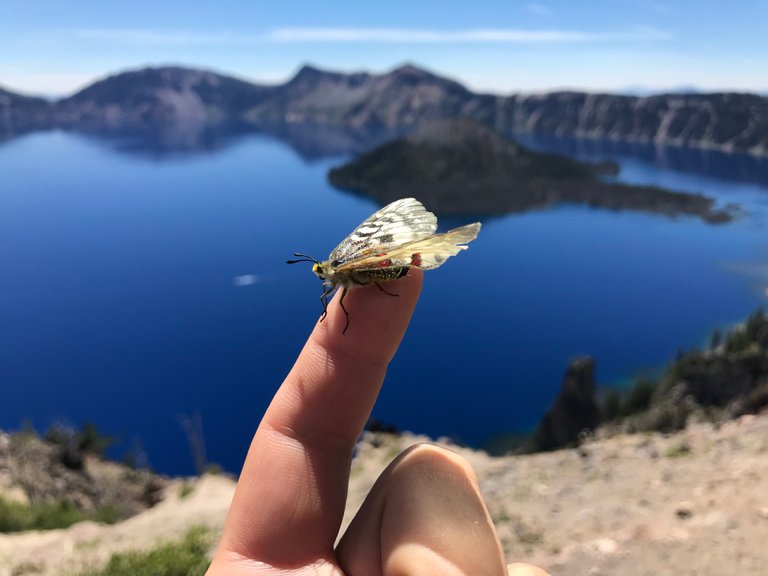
(424, 515)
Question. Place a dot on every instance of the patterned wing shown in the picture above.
(398, 223)
(425, 253)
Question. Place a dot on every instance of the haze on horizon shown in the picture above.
(53, 47)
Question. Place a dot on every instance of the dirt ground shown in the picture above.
(694, 503)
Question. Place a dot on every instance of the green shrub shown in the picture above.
(682, 448)
(753, 333)
(17, 517)
(107, 515)
(186, 489)
(617, 405)
(189, 557)
(87, 439)
(639, 397)
(756, 325)
(737, 341)
(611, 406)
(93, 441)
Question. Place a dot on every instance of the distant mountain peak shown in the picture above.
(308, 74)
(411, 69)
(151, 76)
(163, 71)
(415, 73)
(308, 70)
(406, 71)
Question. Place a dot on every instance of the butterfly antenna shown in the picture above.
(302, 258)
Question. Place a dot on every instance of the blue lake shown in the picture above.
(122, 299)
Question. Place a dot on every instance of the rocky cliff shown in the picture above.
(19, 114)
(574, 411)
(373, 107)
(723, 121)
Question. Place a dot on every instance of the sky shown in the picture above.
(55, 47)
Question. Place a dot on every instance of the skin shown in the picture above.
(425, 514)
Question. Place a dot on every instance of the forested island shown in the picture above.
(461, 167)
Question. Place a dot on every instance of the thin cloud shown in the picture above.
(158, 38)
(139, 37)
(485, 35)
(53, 84)
(539, 9)
(660, 8)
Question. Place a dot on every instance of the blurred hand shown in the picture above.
(424, 515)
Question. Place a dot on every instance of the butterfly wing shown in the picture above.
(425, 253)
(396, 224)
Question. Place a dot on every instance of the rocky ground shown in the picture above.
(691, 503)
(695, 502)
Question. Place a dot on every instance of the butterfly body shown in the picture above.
(383, 248)
(362, 277)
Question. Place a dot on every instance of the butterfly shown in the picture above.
(398, 237)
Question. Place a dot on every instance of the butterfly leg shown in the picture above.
(380, 287)
(341, 303)
(324, 300)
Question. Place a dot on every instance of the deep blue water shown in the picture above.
(119, 302)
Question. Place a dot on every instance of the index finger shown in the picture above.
(290, 498)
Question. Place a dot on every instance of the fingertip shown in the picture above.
(425, 515)
(521, 569)
(377, 320)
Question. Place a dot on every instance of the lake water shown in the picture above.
(138, 288)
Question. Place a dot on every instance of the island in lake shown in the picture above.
(458, 166)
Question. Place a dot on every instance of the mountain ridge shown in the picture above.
(373, 107)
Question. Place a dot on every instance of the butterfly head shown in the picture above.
(321, 269)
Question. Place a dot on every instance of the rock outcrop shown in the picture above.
(728, 380)
(42, 472)
(574, 411)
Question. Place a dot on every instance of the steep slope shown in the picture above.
(724, 121)
(19, 113)
(159, 97)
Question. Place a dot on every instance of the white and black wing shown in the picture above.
(398, 223)
(425, 253)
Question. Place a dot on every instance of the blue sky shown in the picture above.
(57, 46)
